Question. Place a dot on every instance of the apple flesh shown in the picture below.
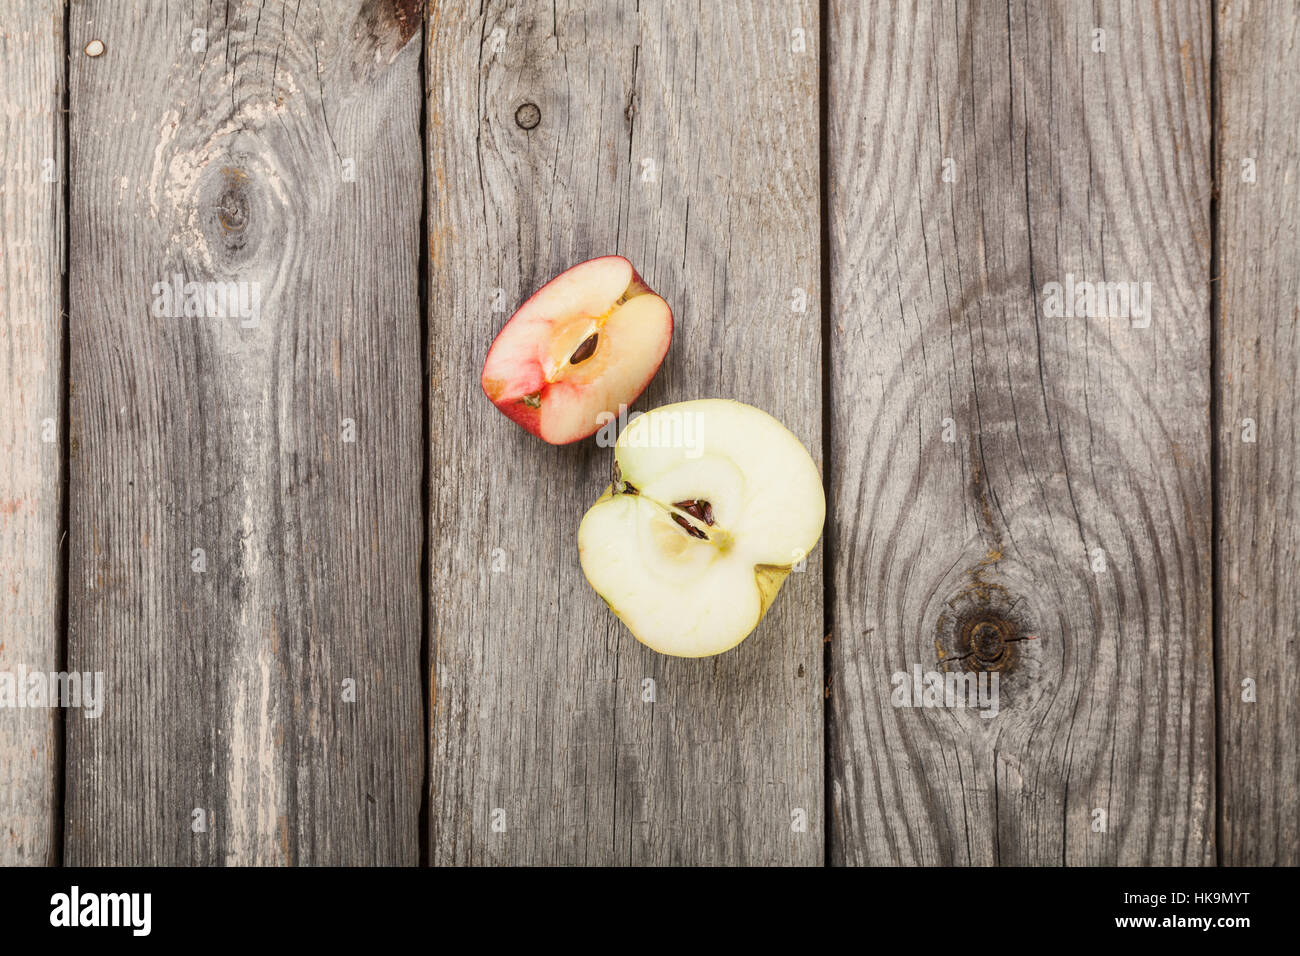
(587, 342)
(713, 502)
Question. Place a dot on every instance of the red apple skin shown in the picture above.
(529, 418)
(525, 416)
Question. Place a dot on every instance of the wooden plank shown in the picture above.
(31, 418)
(1259, 433)
(1072, 439)
(537, 706)
(276, 146)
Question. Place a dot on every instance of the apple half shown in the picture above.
(587, 342)
(712, 504)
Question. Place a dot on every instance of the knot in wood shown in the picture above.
(982, 627)
(983, 636)
(232, 206)
(235, 214)
(986, 640)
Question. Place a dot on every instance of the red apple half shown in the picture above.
(587, 342)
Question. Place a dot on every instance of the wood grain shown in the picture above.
(1258, 371)
(31, 417)
(1069, 435)
(537, 706)
(227, 160)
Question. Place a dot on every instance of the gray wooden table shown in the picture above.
(334, 595)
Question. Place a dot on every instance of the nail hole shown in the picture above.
(528, 116)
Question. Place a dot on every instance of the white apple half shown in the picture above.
(713, 503)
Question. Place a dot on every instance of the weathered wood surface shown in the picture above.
(537, 706)
(1258, 372)
(31, 416)
(223, 156)
(1070, 434)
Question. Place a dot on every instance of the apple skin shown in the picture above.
(525, 416)
(529, 417)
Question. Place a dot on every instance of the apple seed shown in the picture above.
(689, 528)
(585, 350)
(700, 510)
